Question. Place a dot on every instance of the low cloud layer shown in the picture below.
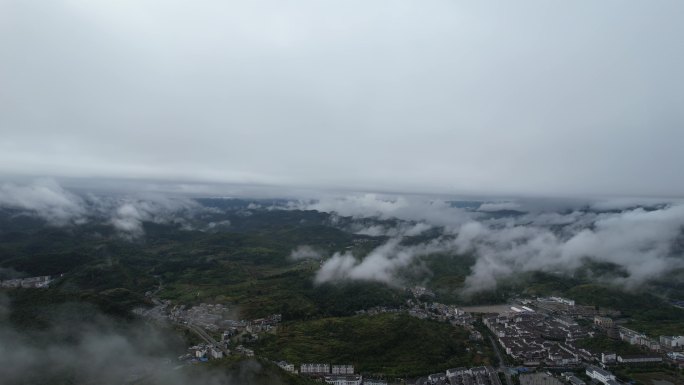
(553, 236)
(436, 212)
(645, 243)
(130, 213)
(380, 265)
(46, 199)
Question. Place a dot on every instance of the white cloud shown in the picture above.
(129, 213)
(44, 198)
(380, 265)
(435, 212)
(639, 241)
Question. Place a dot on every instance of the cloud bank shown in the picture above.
(46, 199)
(645, 243)
(380, 265)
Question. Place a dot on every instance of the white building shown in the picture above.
(314, 369)
(215, 353)
(286, 366)
(601, 375)
(639, 359)
(344, 380)
(608, 358)
(342, 369)
(604, 322)
(672, 341)
(569, 302)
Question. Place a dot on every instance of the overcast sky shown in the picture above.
(500, 97)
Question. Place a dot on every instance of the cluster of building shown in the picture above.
(540, 379)
(420, 291)
(463, 376)
(546, 335)
(567, 307)
(439, 312)
(332, 374)
(536, 338)
(202, 352)
(213, 318)
(635, 338)
(639, 339)
(426, 310)
(210, 317)
(40, 282)
(216, 319)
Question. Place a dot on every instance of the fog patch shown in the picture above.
(305, 252)
(102, 350)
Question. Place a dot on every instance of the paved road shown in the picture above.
(502, 366)
(206, 337)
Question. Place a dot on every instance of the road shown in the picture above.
(206, 337)
(502, 366)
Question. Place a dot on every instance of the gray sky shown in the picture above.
(510, 97)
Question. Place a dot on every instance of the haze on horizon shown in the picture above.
(530, 97)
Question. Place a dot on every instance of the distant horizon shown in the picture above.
(471, 98)
(266, 191)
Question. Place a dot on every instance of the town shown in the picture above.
(538, 336)
(40, 282)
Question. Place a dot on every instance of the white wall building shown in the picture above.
(286, 366)
(639, 359)
(601, 375)
(342, 369)
(569, 302)
(672, 341)
(608, 358)
(215, 353)
(314, 369)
